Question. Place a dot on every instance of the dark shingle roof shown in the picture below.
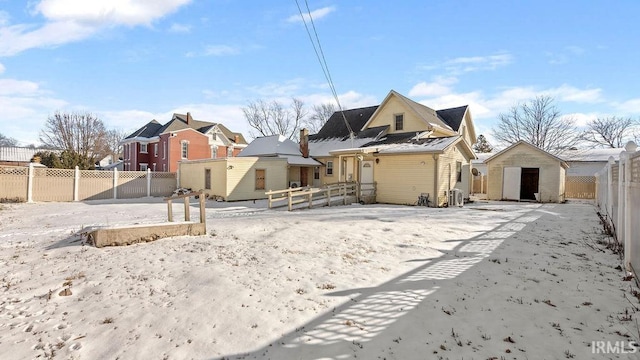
(452, 117)
(397, 138)
(147, 131)
(336, 128)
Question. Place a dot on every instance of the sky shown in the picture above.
(131, 61)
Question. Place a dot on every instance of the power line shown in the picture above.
(323, 61)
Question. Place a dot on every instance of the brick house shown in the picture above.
(160, 147)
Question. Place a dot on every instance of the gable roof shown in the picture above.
(591, 155)
(425, 113)
(336, 128)
(522, 142)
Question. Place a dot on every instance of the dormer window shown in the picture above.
(143, 148)
(399, 121)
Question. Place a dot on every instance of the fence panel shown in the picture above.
(580, 187)
(95, 185)
(163, 184)
(479, 184)
(53, 184)
(132, 184)
(13, 183)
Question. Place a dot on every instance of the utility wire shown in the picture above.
(323, 61)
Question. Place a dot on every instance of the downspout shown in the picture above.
(339, 167)
(435, 181)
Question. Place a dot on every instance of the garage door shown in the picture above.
(511, 183)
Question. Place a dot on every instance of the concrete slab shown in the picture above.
(118, 236)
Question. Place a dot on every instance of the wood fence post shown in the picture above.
(610, 188)
(290, 201)
(310, 200)
(170, 210)
(76, 183)
(203, 217)
(187, 215)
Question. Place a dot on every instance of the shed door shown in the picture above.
(530, 181)
(511, 183)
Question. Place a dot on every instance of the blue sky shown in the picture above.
(130, 61)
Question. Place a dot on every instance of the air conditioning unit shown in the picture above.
(456, 197)
(294, 184)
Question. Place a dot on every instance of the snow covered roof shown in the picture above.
(19, 154)
(271, 146)
(319, 148)
(424, 145)
(482, 157)
(298, 160)
(591, 155)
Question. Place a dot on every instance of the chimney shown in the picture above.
(304, 142)
(236, 139)
(189, 118)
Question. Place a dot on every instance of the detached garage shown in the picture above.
(524, 172)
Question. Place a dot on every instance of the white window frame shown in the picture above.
(143, 148)
(230, 151)
(184, 149)
(214, 152)
(329, 168)
(155, 149)
(144, 166)
(164, 151)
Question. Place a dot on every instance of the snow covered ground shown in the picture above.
(487, 281)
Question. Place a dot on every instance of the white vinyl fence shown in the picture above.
(618, 197)
(44, 184)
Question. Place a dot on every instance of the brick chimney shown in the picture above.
(304, 142)
(189, 118)
(236, 139)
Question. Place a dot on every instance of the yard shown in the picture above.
(487, 281)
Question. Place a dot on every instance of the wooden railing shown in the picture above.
(293, 196)
(187, 215)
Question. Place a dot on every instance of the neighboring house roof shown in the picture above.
(147, 131)
(19, 154)
(271, 146)
(522, 142)
(407, 146)
(482, 157)
(277, 146)
(179, 122)
(591, 155)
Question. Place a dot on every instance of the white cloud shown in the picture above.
(179, 28)
(628, 107)
(215, 50)
(71, 20)
(581, 119)
(572, 94)
(477, 63)
(440, 86)
(112, 12)
(2, 69)
(4, 18)
(315, 14)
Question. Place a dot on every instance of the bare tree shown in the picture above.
(7, 141)
(319, 116)
(81, 134)
(482, 145)
(538, 122)
(610, 132)
(272, 118)
(112, 141)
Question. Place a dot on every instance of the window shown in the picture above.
(399, 121)
(230, 151)
(260, 179)
(207, 179)
(164, 150)
(214, 152)
(143, 148)
(143, 167)
(316, 173)
(164, 167)
(154, 167)
(458, 171)
(185, 149)
(329, 168)
(155, 150)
